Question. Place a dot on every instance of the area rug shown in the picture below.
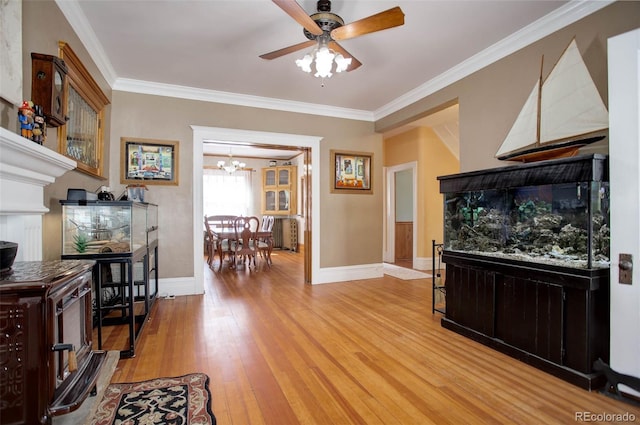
(183, 400)
(403, 273)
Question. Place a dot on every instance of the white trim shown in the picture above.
(193, 93)
(178, 286)
(229, 135)
(78, 20)
(558, 19)
(347, 273)
(573, 11)
(423, 263)
(388, 249)
(624, 176)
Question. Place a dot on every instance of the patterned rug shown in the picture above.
(183, 400)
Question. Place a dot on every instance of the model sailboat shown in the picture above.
(562, 114)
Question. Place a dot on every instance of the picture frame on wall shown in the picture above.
(149, 161)
(351, 172)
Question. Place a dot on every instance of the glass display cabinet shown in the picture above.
(526, 249)
(122, 238)
(279, 190)
(102, 227)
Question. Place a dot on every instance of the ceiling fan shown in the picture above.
(324, 29)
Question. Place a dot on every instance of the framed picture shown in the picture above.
(351, 172)
(149, 161)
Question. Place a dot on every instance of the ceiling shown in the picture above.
(211, 48)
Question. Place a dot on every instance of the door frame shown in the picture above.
(237, 136)
(388, 246)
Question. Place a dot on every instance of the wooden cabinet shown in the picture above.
(49, 74)
(45, 319)
(526, 249)
(554, 318)
(279, 190)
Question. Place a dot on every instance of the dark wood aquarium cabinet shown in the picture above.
(45, 322)
(526, 249)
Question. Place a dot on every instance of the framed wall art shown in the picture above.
(149, 161)
(351, 172)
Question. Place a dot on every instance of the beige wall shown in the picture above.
(42, 27)
(146, 116)
(434, 159)
(489, 101)
(137, 115)
(491, 98)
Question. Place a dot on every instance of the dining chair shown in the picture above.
(265, 243)
(209, 242)
(244, 246)
(217, 225)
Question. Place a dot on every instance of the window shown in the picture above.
(226, 194)
(81, 138)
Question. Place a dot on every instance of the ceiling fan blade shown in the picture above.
(277, 53)
(381, 21)
(355, 63)
(294, 10)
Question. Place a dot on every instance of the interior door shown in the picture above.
(404, 215)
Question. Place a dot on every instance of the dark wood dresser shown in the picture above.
(45, 330)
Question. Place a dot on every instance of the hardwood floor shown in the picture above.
(362, 352)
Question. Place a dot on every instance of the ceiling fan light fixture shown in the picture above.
(324, 62)
(305, 63)
(342, 63)
(323, 58)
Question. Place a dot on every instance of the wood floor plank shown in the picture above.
(278, 351)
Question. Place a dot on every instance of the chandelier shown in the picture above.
(233, 166)
(323, 60)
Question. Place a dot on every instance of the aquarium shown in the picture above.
(103, 227)
(152, 223)
(552, 212)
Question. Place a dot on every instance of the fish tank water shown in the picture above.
(552, 212)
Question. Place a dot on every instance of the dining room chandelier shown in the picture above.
(323, 60)
(233, 166)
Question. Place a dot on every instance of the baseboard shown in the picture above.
(347, 273)
(423, 263)
(178, 286)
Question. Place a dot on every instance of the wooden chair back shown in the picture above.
(244, 244)
(267, 223)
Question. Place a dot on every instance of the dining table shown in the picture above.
(227, 233)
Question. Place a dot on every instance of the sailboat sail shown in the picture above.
(524, 130)
(570, 106)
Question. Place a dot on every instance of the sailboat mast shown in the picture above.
(539, 103)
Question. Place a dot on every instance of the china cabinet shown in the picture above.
(279, 190)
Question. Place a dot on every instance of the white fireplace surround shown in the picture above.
(25, 169)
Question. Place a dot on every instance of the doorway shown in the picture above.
(401, 208)
(308, 144)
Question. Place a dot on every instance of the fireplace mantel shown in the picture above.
(25, 169)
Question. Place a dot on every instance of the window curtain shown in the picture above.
(226, 194)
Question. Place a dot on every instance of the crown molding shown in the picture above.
(573, 11)
(548, 24)
(204, 95)
(78, 21)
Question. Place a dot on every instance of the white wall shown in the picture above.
(624, 157)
